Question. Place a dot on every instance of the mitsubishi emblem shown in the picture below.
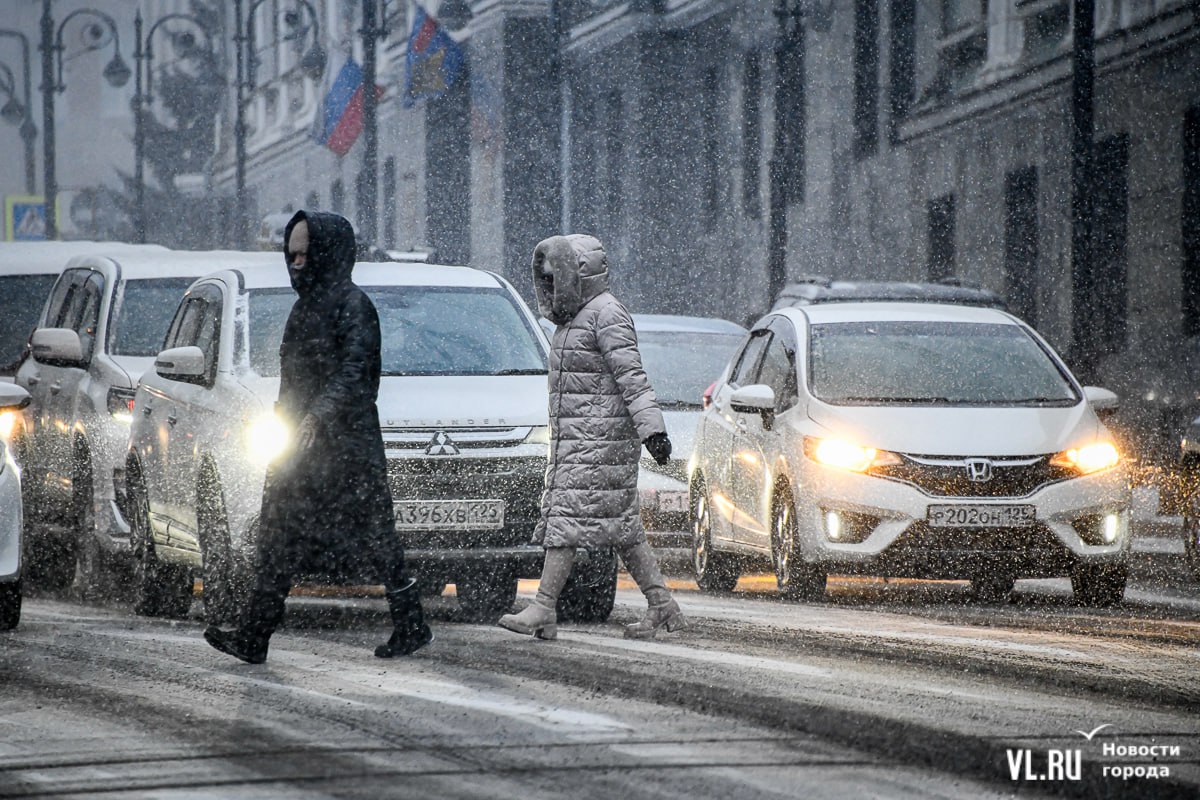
(441, 445)
(979, 470)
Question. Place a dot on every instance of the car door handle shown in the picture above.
(172, 419)
(55, 388)
(34, 380)
(146, 410)
(741, 423)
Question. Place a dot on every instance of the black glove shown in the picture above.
(659, 447)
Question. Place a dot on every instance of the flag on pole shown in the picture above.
(339, 120)
(435, 59)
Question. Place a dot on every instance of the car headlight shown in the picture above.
(538, 434)
(847, 455)
(1090, 458)
(8, 422)
(267, 438)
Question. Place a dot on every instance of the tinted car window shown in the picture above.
(426, 331)
(779, 372)
(747, 366)
(21, 301)
(682, 365)
(933, 363)
(140, 324)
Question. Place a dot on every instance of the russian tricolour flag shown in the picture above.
(340, 120)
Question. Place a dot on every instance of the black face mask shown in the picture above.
(303, 279)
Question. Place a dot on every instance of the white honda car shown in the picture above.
(463, 407)
(918, 440)
(12, 398)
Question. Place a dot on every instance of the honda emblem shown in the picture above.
(979, 470)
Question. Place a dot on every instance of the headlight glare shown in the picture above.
(267, 437)
(847, 455)
(1089, 458)
(8, 421)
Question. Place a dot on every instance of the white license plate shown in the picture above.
(981, 516)
(467, 515)
(672, 501)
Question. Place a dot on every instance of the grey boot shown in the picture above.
(540, 618)
(662, 610)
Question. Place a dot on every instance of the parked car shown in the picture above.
(12, 398)
(919, 440)
(463, 407)
(683, 356)
(99, 329)
(814, 289)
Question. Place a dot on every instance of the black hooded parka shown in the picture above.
(329, 506)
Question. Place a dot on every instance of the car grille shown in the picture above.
(920, 536)
(947, 476)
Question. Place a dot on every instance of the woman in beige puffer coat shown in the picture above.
(602, 410)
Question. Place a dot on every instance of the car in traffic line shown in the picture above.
(12, 398)
(682, 356)
(464, 416)
(915, 440)
(101, 324)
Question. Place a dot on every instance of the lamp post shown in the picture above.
(245, 41)
(786, 166)
(28, 130)
(115, 72)
(1083, 69)
(368, 183)
(143, 56)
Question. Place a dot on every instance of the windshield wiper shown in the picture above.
(522, 371)
(900, 400)
(678, 404)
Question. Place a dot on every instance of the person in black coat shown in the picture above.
(329, 495)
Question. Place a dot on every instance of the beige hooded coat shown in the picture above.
(601, 404)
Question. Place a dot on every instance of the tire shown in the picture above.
(485, 596)
(10, 605)
(225, 584)
(591, 590)
(1099, 585)
(796, 579)
(714, 571)
(1191, 533)
(992, 587)
(159, 590)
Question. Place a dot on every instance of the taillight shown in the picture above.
(706, 398)
(120, 403)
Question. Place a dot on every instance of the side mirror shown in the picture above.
(1104, 402)
(757, 398)
(57, 346)
(13, 397)
(181, 364)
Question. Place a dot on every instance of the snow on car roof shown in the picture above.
(898, 312)
(49, 258)
(678, 323)
(379, 274)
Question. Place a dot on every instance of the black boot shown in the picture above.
(249, 647)
(410, 633)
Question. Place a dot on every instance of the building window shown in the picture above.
(1110, 233)
(752, 135)
(901, 63)
(1021, 242)
(389, 203)
(866, 77)
(1190, 221)
(940, 212)
(337, 197)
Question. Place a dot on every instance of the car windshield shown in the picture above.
(933, 363)
(426, 330)
(21, 301)
(144, 315)
(682, 365)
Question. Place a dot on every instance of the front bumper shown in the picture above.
(885, 528)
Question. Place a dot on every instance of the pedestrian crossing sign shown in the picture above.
(24, 218)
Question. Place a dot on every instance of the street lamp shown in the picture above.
(27, 130)
(116, 72)
(786, 166)
(143, 57)
(312, 62)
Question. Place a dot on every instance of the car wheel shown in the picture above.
(591, 590)
(159, 590)
(10, 605)
(224, 582)
(1099, 585)
(715, 572)
(992, 587)
(485, 596)
(796, 579)
(1191, 533)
